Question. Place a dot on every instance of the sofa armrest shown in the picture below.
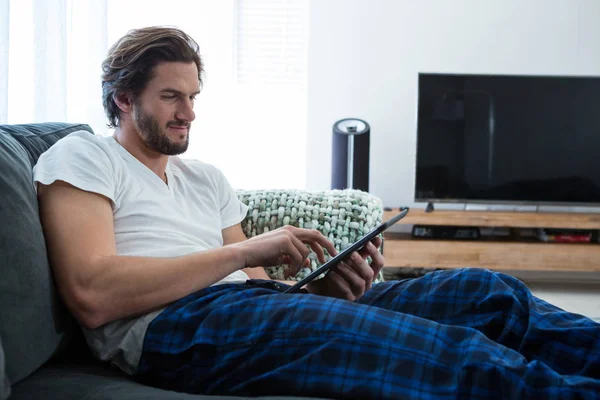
(343, 216)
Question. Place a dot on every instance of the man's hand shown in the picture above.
(351, 278)
(286, 245)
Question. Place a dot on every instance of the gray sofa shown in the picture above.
(42, 352)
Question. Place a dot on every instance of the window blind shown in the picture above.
(271, 41)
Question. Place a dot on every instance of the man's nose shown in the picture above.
(186, 111)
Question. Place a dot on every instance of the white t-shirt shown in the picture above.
(150, 217)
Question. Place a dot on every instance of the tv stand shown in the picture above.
(510, 252)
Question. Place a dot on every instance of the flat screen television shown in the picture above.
(508, 139)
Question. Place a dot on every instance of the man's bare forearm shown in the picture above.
(256, 273)
(124, 286)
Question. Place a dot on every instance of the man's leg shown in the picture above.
(503, 308)
(242, 340)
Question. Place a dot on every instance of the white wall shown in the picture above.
(364, 56)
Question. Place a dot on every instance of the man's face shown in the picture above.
(163, 112)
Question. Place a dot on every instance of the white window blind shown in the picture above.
(271, 41)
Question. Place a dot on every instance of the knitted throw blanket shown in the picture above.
(343, 216)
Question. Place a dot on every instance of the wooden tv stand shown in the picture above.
(510, 253)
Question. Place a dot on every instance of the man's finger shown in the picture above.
(313, 235)
(352, 279)
(368, 250)
(342, 286)
(377, 263)
(298, 251)
(377, 241)
(318, 251)
(361, 269)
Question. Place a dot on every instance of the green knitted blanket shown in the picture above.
(343, 216)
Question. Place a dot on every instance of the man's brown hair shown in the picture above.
(131, 60)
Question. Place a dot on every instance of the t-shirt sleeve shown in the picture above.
(233, 211)
(79, 161)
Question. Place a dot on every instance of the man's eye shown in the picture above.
(168, 97)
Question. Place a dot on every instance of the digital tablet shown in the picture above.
(347, 251)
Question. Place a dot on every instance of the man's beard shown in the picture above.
(156, 138)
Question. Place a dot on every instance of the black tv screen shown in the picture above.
(508, 139)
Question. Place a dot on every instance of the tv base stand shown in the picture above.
(429, 207)
(510, 252)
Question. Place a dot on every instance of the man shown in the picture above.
(149, 256)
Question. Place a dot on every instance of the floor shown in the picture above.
(579, 298)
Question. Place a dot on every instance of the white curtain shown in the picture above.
(54, 50)
(252, 128)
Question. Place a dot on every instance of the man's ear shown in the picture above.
(124, 101)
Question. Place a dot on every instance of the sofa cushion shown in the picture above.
(95, 381)
(33, 322)
(4, 385)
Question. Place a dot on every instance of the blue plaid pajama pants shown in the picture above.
(465, 333)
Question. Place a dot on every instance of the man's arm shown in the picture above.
(97, 285)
